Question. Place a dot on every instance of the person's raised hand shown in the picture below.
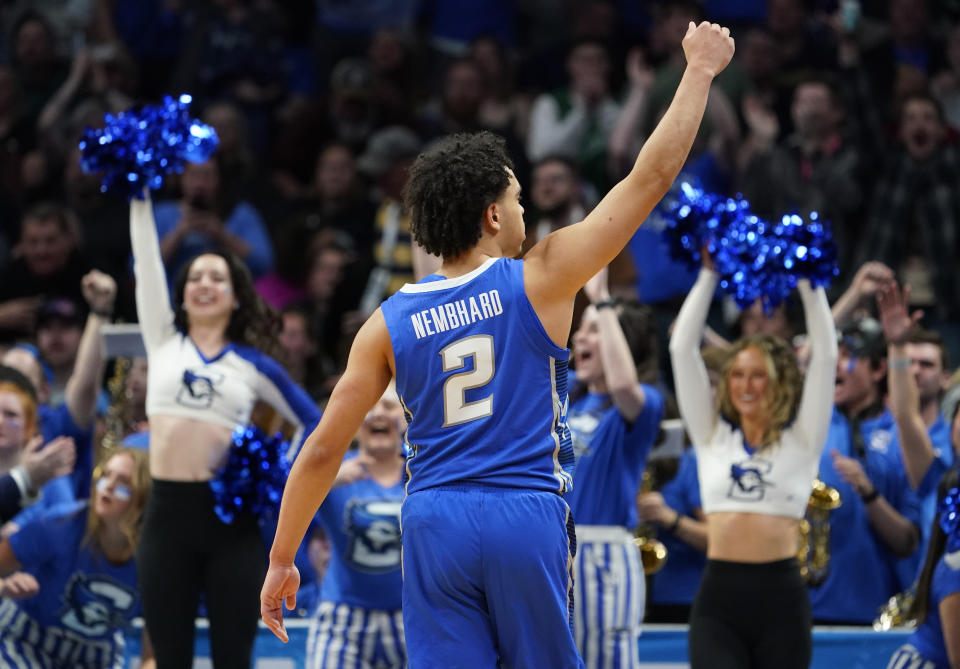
(895, 316)
(708, 47)
(597, 288)
(871, 277)
(100, 292)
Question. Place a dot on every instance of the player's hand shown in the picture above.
(279, 588)
(708, 47)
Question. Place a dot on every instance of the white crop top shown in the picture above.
(181, 381)
(777, 480)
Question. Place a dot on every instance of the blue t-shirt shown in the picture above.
(362, 520)
(244, 222)
(84, 602)
(928, 639)
(482, 384)
(677, 582)
(862, 572)
(57, 421)
(611, 455)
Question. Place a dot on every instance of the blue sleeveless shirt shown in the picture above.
(483, 385)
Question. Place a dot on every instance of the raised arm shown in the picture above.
(563, 261)
(153, 300)
(689, 372)
(367, 375)
(619, 367)
(100, 291)
(816, 402)
(915, 445)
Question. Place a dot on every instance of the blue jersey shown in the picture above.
(928, 639)
(862, 575)
(483, 386)
(679, 579)
(58, 421)
(84, 602)
(362, 520)
(611, 455)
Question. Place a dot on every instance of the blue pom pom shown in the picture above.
(755, 259)
(252, 480)
(139, 147)
(950, 519)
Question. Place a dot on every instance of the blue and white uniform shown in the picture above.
(184, 382)
(359, 623)
(862, 572)
(184, 548)
(608, 574)
(85, 602)
(736, 477)
(926, 647)
(487, 539)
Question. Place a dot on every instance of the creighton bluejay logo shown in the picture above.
(747, 480)
(197, 389)
(96, 605)
(373, 527)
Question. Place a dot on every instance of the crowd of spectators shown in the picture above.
(321, 106)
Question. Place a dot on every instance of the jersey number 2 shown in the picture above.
(456, 409)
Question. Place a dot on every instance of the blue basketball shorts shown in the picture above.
(488, 579)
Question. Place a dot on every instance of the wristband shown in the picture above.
(899, 363)
(675, 524)
(870, 496)
(605, 304)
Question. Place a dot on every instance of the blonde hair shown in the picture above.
(132, 521)
(29, 407)
(785, 384)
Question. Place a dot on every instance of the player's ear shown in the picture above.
(491, 218)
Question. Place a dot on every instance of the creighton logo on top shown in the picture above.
(747, 480)
(96, 605)
(197, 390)
(374, 530)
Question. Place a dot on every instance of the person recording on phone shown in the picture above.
(205, 218)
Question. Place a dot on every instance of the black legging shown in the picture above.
(185, 549)
(751, 616)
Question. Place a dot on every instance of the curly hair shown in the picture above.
(450, 186)
(253, 323)
(784, 389)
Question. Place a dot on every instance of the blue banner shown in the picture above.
(661, 647)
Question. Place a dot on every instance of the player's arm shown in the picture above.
(564, 260)
(367, 375)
